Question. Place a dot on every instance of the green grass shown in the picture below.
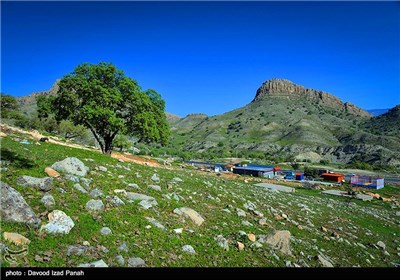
(206, 193)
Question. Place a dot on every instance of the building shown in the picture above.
(256, 170)
(367, 182)
(299, 176)
(333, 177)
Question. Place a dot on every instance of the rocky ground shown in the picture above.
(66, 207)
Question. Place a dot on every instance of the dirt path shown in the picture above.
(36, 135)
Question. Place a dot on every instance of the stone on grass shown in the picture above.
(280, 240)
(120, 260)
(133, 185)
(324, 261)
(191, 214)
(240, 212)
(71, 178)
(59, 222)
(123, 247)
(222, 242)
(80, 188)
(240, 246)
(44, 184)
(94, 205)
(95, 193)
(155, 223)
(155, 187)
(101, 168)
(105, 231)
(155, 178)
(188, 249)
(48, 200)
(381, 245)
(51, 172)
(16, 238)
(86, 182)
(99, 263)
(136, 262)
(72, 166)
(13, 207)
(178, 230)
(116, 201)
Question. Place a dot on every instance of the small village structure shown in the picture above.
(367, 182)
(256, 170)
(333, 177)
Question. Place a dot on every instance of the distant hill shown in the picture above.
(286, 119)
(377, 112)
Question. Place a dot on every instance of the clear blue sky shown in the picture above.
(209, 57)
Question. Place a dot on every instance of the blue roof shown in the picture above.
(255, 168)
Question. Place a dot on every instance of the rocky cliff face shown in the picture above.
(31, 98)
(286, 88)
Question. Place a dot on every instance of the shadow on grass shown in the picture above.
(16, 159)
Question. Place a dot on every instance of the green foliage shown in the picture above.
(311, 172)
(122, 142)
(101, 98)
(9, 107)
(68, 130)
(44, 105)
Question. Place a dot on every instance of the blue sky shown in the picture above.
(209, 57)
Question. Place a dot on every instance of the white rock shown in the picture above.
(59, 222)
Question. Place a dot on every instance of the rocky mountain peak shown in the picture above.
(286, 88)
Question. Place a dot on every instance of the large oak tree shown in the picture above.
(103, 99)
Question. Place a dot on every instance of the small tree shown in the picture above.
(122, 142)
(101, 98)
(9, 106)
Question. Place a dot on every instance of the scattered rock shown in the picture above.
(381, 245)
(251, 237)
(16, 238)
(136, 262)
(284, 216)
(135, 186)
(137, 196)
(115, 201)
(240, 246)
(240, 212)
(76, 250)
(123, 247)
(120, 260)
(48, 200)
(247, 223)
(86, 243)
(324, 229)
(280, 240)
(262, 222)
(72, 166)
(101, 168)
(80, 188)
(178, 230)
(86, 182)
(278, 217)
(147, 204)
(44, 184)
(222, 242)
(59, 222)
(94, 205)
(155, 223)
(386, 253)
(250, 206)
(188, 249)
(95, 193)
(71, 178)
(51, 172)
(99, 263)
(177, 180)
(190, 213)
(155, 187)
(15, 209)
(105, 231)
(155, 178)
(324, 261)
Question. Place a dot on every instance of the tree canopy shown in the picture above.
(101, 98)
(8, 106)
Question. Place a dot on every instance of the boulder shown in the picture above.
(15, 209)
(72, 166)
(280, 240)
(115, 201)
(59, 222)
(44, 184)
(190, 213)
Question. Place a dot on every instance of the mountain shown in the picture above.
(288, 120)
(377, 112)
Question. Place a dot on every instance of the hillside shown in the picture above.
(288, 120)
(121, 214)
